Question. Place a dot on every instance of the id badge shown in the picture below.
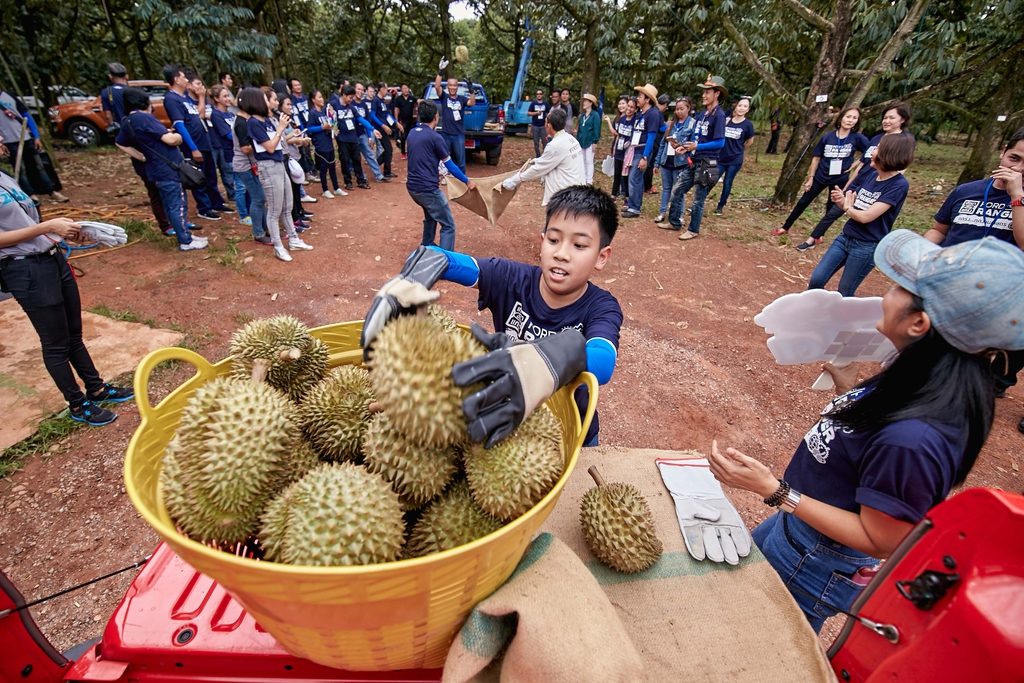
(622, 142)
(349, 125)
(835, 166)
(670, 151)
(391, 120)
(635, 140)
(456, 115)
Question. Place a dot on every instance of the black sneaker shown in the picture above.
(348, 187)
(384, 179)
(264, 240)
(210, 215)
(389, 174)
(111, 394)
(364, 185)
(91, 414)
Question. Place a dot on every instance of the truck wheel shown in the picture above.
(83, 133)
(494, 156)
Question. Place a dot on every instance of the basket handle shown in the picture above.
(591, 381)
(153, 359)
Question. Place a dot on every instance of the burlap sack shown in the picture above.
(692, 621)
(549, 622)
(488, 199)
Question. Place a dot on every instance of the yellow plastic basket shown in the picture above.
(399, 615)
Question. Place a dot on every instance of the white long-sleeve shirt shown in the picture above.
(560, 166)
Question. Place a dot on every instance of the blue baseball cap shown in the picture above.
(973, 291)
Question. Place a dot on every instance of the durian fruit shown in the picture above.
(411, 373)
(296, 360)
(335, 413)
(416, 473)
(443, 317)
(618, 526)
(450, 521)
(511, 476)
(338, 514)
(233, 450)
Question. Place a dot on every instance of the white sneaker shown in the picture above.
(281, 253)
(308, 199)
(196, 243)
(340, 193)
(327, 195)
(296, 244)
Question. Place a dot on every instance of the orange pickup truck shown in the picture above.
(85, 123)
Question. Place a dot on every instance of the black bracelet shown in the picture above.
(775, 500)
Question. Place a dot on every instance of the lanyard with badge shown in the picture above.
(835, 166)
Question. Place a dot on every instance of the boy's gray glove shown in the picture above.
(102, 233)
(404, 293)
(711, 527)
(520, 377)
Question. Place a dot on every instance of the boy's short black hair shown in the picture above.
(895, 152)
(586, 200)
(557, 119)
(426, 111)
(221, 75)
(135, 99)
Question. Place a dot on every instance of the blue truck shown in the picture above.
(484, 122)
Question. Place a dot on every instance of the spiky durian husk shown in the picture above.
(338, 514)
(416, 473)
(450, 521)
(619, 528)
(443, 318)
(335, 413)
(265, 339)
(510, 477)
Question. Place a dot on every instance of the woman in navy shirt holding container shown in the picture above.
(873, 202)
(739, 132)
(830, 167)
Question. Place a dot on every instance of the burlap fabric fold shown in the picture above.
(487, 200)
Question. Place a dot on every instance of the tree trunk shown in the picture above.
(590, 58)
(990, 133)
(122, 51)
(444, 14)
(827, 73)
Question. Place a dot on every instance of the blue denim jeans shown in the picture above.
(684, 181)
(436, 210)
(370, 154)
(456, 149)
(246, 183)
(635, 202)
(172, 196)
(227, 176)
(856, 258)
(668, 179)
(813, 562)
(729, 172)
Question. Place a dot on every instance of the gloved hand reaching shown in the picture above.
(511, 183)
(404, 293)
(520, 377)
(103, 233)
(442, 64)
(711, 526)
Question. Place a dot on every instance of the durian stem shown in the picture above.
(596, 475)
(260, 368)
(289, 355)
(374, 408)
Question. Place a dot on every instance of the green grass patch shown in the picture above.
(229, 256)
(51, 430)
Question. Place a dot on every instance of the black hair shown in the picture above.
(253, 102)
(135, 99)
(292, 79)
(426, 111)
(171, 72)
(557, 119)
(933, 381)
(1017, 136)
(221, 75)
(348, 90)
(317, 91)
(190, 74)
(903, 110)
(895, 152)
(585, 200)
(843, 113)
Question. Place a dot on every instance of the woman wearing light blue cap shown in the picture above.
(893, 446)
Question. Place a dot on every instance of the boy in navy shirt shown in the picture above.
(369, 151)
(453, 109)
(111, 97)
(550, 321)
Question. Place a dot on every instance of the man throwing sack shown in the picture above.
(561, 164)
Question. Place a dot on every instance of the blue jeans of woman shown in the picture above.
(856, 258)
(729, 172)
(176, 206)
(812, 562)
(436, 210)
(247, 183)
(668, 179)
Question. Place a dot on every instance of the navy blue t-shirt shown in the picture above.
(300, 109)
(183, 108)
(260, 132)
(452, 113)
(902, 469)
(380, 110)
(112, 100)
(624, 132)
(143, 132)
(361, 108)
(426, 149)
(321, 138)
(836, 154)
(349, 127)
(647, 124)
(223, 122)
(869, 190)
(542, 107)
(736, 136)
(969, 220)
(511, 292)
(710, 127)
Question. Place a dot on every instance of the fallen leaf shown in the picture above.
(273, 297)
(609, 281)
(210, 298)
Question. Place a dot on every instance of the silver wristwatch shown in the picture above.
(790, 502)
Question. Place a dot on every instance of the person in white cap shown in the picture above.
(561, 164)
(893, 446)
(588, 133)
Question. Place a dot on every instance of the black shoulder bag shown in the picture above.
(190, 175)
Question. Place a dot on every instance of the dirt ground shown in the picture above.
(692, 364)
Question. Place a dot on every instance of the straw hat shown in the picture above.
(715, 83)
(588, 96)
(649, 90)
